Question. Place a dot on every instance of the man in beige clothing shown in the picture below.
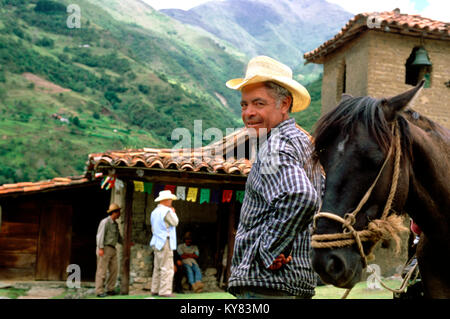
(108, 236)
(164, 242)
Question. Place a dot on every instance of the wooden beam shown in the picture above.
(231, 237)
(165, 176)
(126, 247)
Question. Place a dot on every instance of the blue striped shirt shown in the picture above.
(282, 194)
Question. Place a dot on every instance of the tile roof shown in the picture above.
(389, 21)
(216, 158)
(209, 159)
(27, 187)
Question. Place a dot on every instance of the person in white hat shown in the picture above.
(164, 241)
(271, 251)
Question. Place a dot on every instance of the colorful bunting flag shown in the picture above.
(192, 194)
(148, 188)
(215, 196)
(171, 188)
(240, 196)
(108, 182)
(157, 188)
(204, 195)
(227, 195)
(138, 186)
(181, 192)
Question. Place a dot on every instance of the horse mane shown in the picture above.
(363, 110)
(426, 124)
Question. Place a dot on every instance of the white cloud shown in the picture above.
(358, 6)
(438, 10)
(434, 9)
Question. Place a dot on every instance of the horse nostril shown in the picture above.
(335, 266)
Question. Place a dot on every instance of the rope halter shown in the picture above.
(380, 229)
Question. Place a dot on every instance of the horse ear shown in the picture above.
(391, 106)
(345, 97)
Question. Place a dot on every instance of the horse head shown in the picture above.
(359, 146)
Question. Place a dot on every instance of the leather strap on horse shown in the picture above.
(384, 228)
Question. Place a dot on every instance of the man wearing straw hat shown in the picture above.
(271, 252)
(164, 242)
(108, 236)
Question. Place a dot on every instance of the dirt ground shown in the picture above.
(44, 85)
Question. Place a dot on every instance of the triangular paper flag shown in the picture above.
(240, 196)
(148, 188)
(192, 194)
(215, 196)
(204, 195)
(138, 186)
(181, 192)
(156, 189)
(227, 195)
(170, 188)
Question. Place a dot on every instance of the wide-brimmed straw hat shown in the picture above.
(167, 194)
(262, 69)
(112, 208)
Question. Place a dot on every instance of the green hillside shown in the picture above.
(125, 79)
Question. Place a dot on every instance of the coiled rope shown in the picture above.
(385, 228)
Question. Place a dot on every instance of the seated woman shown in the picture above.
(189, 253)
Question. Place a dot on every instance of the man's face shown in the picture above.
(259, 109)
(115, 215)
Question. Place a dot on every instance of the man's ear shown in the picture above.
(286, 104)
(391, 106)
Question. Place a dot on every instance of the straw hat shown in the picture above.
(112, 208)
(262, 69)
(167, 194)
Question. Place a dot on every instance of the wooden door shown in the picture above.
(54, 245)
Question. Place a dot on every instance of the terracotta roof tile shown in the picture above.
(210, 158)
(390, 21)
(25, 187)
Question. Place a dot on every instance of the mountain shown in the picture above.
(111, 84)
(282, 29)
(125, 79)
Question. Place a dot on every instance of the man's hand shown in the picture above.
(101, 252)
(279, 262)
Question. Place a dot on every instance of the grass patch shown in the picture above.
(360, 291)
(13, 293)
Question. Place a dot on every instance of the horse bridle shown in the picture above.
(373, 233)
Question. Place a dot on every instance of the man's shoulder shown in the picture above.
(105, 220)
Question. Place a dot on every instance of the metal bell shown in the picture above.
(421, 58)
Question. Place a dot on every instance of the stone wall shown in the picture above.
(201, 219)
(354, 55)
(375, 66)
(387, 57)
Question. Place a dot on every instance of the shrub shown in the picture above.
(45, 42)
(46, 6)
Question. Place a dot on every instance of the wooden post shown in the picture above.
(231, 236)
(126, 248)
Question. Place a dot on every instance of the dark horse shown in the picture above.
(352, 143)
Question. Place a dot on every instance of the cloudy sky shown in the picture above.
(434, 9)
